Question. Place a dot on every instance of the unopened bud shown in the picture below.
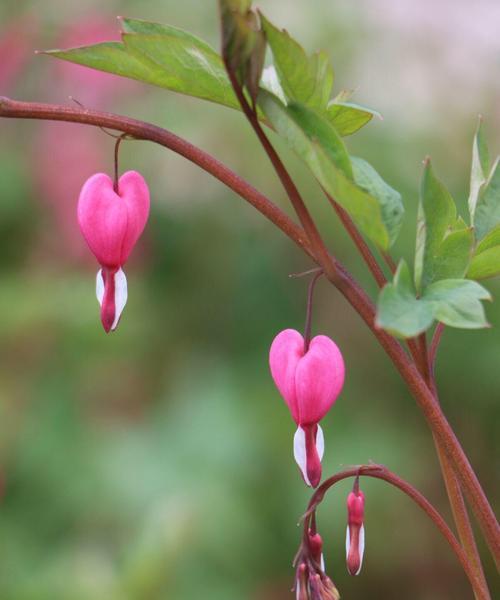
(355, 535)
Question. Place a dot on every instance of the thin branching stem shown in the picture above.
(344, 282)
(381, 472)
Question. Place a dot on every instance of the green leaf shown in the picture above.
(454, 255)
(485, 265)
(271, 83)
(437, 214)
(486, 260)
(480, 168)
(487, 215)
(347, 118)
(169, 58)
(153, 28)
(317, 128)
(457, 303)
(389, 199)
(399, 312)
(305, 79)
(454, 302)
(319, 146)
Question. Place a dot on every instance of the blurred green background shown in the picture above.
(155, 463)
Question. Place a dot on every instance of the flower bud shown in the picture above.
(355, 535)
(309, 383)
(111, 222)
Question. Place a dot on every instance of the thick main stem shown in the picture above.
(380, 472)
(343, 281)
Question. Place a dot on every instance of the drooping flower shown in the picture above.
(309, 382)
(111, 223)
(355, 535)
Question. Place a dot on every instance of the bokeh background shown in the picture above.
(155, 463)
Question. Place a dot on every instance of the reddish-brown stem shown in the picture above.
(453, 489)
(309, 310)
(341, 279)
(119, 140)
(436, 339)
(320, 251)
(360, 243)
(389, 261)
(381, 472)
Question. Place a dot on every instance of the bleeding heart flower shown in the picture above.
(309, 383)
(111, 222)
(355, 535)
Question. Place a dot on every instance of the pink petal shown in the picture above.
(286, 351)
(134, 192)
(318, 379)
(102, 216)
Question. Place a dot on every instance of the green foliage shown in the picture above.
(486, 260)
(437, 220)
(454, 302)
(318, 144)
(389, 199)
(159, 55)
(480, 167)
(487, 213)
(305, 79)
(347, 118)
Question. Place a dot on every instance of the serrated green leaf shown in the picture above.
(486, 260)
(487, 215)
(437, 214)
(454, 302)
(308, 80)
(367, 178)
(399, 312)
(172, 59)
(316, 142)
(479, 169)
(347, 118)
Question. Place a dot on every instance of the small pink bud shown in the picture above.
(316, 547)
(111, 223)
(309, 383)
(355, 535)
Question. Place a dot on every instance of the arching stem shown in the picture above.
(381, 472)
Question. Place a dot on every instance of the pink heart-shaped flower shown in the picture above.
(310, 382)
(111, 222)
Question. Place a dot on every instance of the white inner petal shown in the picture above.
(299, 452)
(347, 542)
(320, 443)
(99, 287)
(120, 296)
(322, 563)
(361, 547)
